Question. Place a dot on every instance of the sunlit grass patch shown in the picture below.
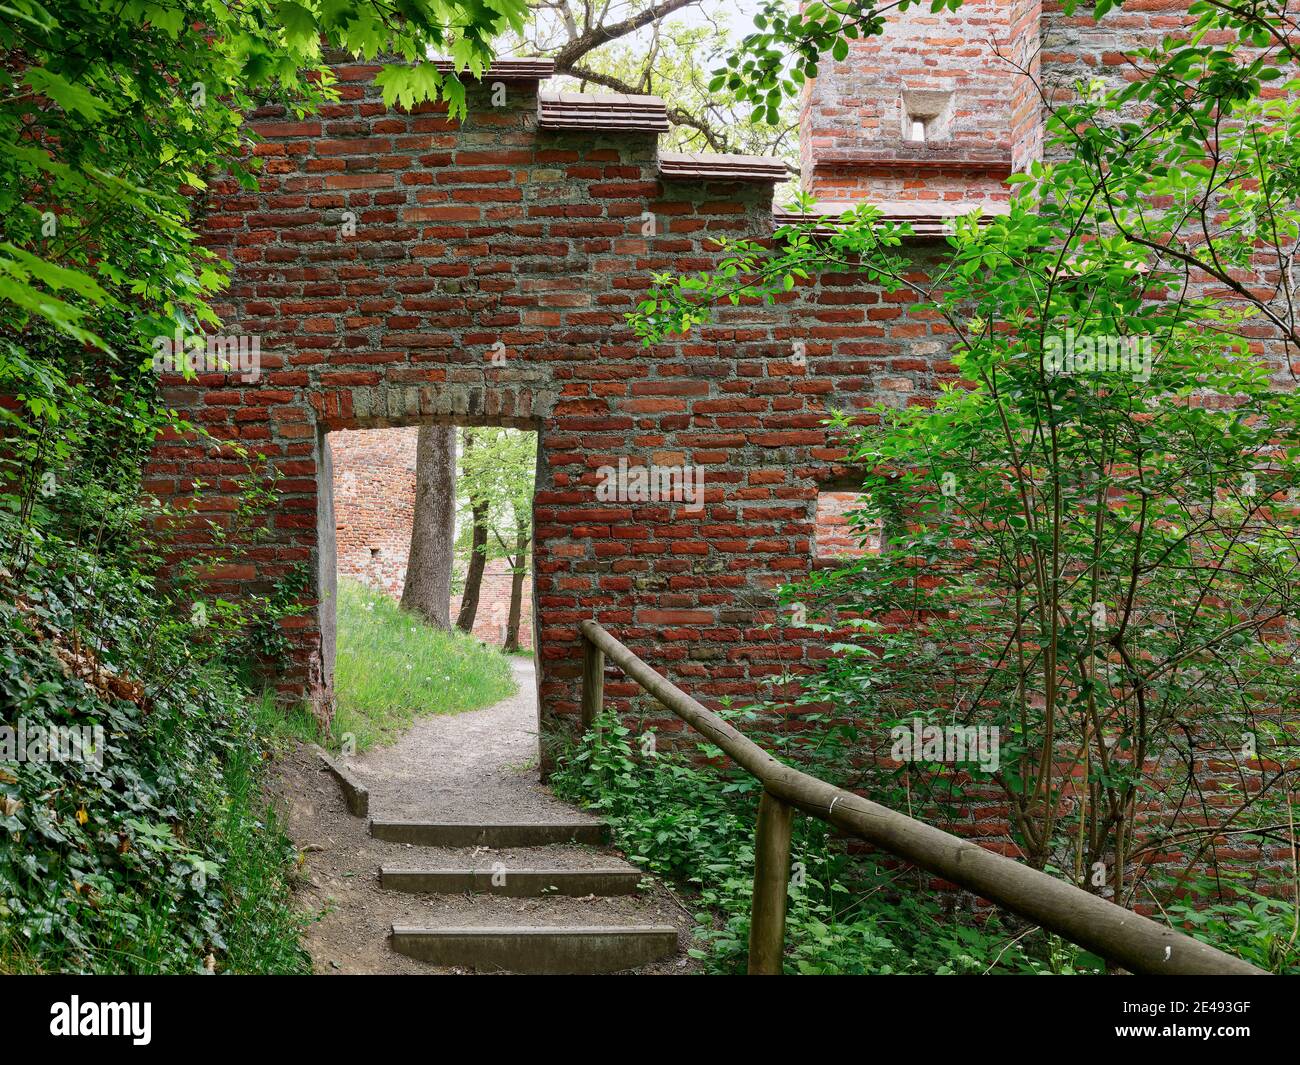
(391, 667)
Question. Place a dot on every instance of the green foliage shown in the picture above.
(392, 667)
(113, 117)
(1262, 929)
(772, 64)
(694, 825)
(1098, 559)
(162, 855)
(497, 469)
(620, 47)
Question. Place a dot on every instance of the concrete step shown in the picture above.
(512, 882)
(547, 950)
(536, 834)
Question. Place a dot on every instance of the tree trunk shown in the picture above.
(477, 552)
(427, 590)
(518, 568)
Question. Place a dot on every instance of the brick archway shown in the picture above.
(513, 406)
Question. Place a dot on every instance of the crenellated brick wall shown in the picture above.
(401, 267)
(485, 283)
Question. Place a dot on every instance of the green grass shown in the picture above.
(391, 667)
(278, 723)
(264, 932)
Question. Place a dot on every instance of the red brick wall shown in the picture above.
(982, 119)
(374, 495)
(374, 498)
(490, 232)
(493, 231)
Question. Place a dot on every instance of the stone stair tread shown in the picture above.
(563, 856)
(489, 833)
(541, 949)
(461, 910)
(537, 930)
(513, 882)
(480, 823)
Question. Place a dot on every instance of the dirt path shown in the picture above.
(470, 767)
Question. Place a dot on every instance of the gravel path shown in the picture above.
(479, 766)
(476, 766)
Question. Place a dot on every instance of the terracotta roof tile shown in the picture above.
(926, 219)
(722, 167)
(613, 111)
(506, 69)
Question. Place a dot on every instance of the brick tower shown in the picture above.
(928, 118)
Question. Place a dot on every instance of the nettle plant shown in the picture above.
(1093, 543)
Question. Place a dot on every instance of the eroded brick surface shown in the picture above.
(491, 240)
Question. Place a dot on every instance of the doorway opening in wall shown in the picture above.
(432, 527)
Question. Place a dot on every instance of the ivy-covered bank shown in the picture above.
(153, 852)
(134, 835)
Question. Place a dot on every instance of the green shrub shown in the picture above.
(1264, 929)
(694, 825)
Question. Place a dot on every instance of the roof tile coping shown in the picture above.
(601, 111)
(926, 219)
(504, 69)
(993, 162)
(722, 167)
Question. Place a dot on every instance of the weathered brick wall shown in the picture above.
(374, 506)
(948, 70)
(402, 267)
(495, 232)
(485, 283)
(494, 607)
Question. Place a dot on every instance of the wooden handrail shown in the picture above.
(1110, 931)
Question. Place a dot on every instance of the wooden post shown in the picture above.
(771, 882)
(593, 682)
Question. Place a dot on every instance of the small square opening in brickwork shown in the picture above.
(926, 114)
(835, 536)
